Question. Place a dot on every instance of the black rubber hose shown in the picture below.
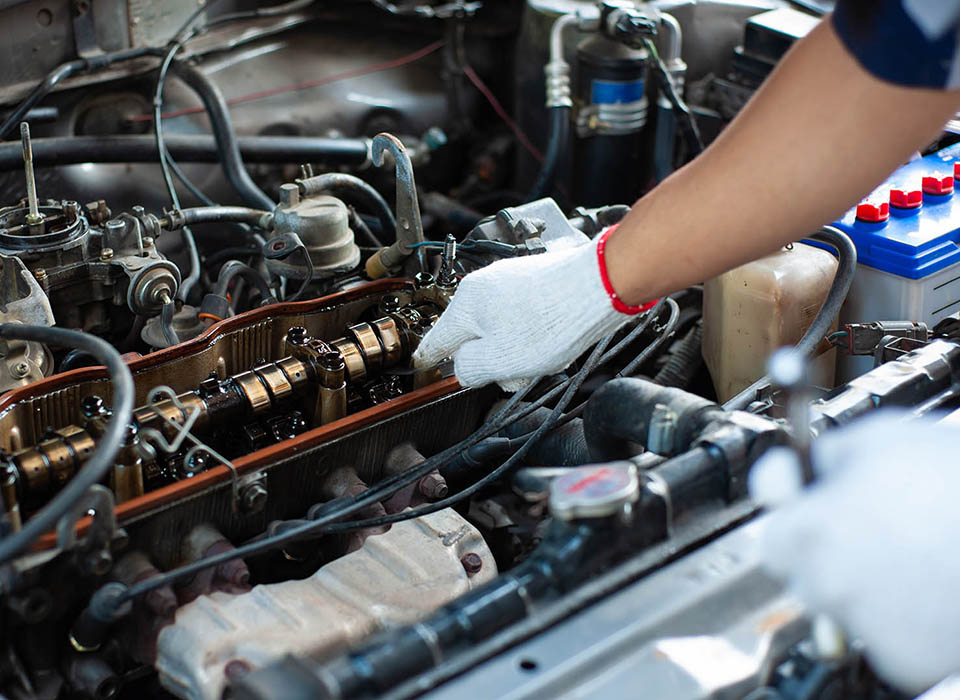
(685, 362)
(222, 215)
(109, 444)
(842, 281)
(230, 158)
(66, 70)
(185, 148)
(558, 144)
(355, 191)
(620, 412)
(564, 446)
(235, 268)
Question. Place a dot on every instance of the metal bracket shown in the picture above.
(84, 29)
(408, 208)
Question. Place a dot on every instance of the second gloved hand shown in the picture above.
(524, 317)
(871, 543)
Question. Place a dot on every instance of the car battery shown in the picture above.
(906, 233)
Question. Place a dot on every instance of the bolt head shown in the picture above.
(253, 498)
(20, 370)
(297, 335)
(236, 668)
(389, 304)
(92, 406)
(39, 274)
(432, 487)
(106, 254)
(99, 562)
(422, 279)
(148, 242)
(472, 563)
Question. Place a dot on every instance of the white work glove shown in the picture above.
(873, 542)
(521, 318)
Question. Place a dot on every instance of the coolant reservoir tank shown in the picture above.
(753, 310)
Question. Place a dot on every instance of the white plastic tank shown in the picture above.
(753, 310)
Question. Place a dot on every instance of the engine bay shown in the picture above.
(241, 485)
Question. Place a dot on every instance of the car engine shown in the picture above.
(237, 484)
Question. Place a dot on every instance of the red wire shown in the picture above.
(502, 113)
(356, 73)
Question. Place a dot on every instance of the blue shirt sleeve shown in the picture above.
(907, 42)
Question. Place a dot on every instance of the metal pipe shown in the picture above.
(185, 148)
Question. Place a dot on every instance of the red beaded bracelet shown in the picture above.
(608, 286)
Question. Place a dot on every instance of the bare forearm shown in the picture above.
(819, 135)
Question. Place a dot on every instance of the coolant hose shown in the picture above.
(559, 105)
(563, 446)
(621, 412)
(109, 444)
(846, 268)
(230, 159)
(558, 144)
(219, 215)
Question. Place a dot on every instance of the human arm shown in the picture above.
(820, 133)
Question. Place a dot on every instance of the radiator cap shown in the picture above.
(596, 491)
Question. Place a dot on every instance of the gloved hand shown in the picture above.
(526, 317)
(873, 542)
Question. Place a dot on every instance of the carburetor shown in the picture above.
(78, 267)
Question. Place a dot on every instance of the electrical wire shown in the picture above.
(190, 243)
(839, 335)
(187, 182)
(342, 507)
(528, 440)
(665, 334)
(295, 87)
(487, 93)
(108, 445)
(685, 118)
(593, 361)
(347, 505)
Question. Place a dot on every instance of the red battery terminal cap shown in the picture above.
(939, 186)
(873, 213)
(906, 199)
(956, 170)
